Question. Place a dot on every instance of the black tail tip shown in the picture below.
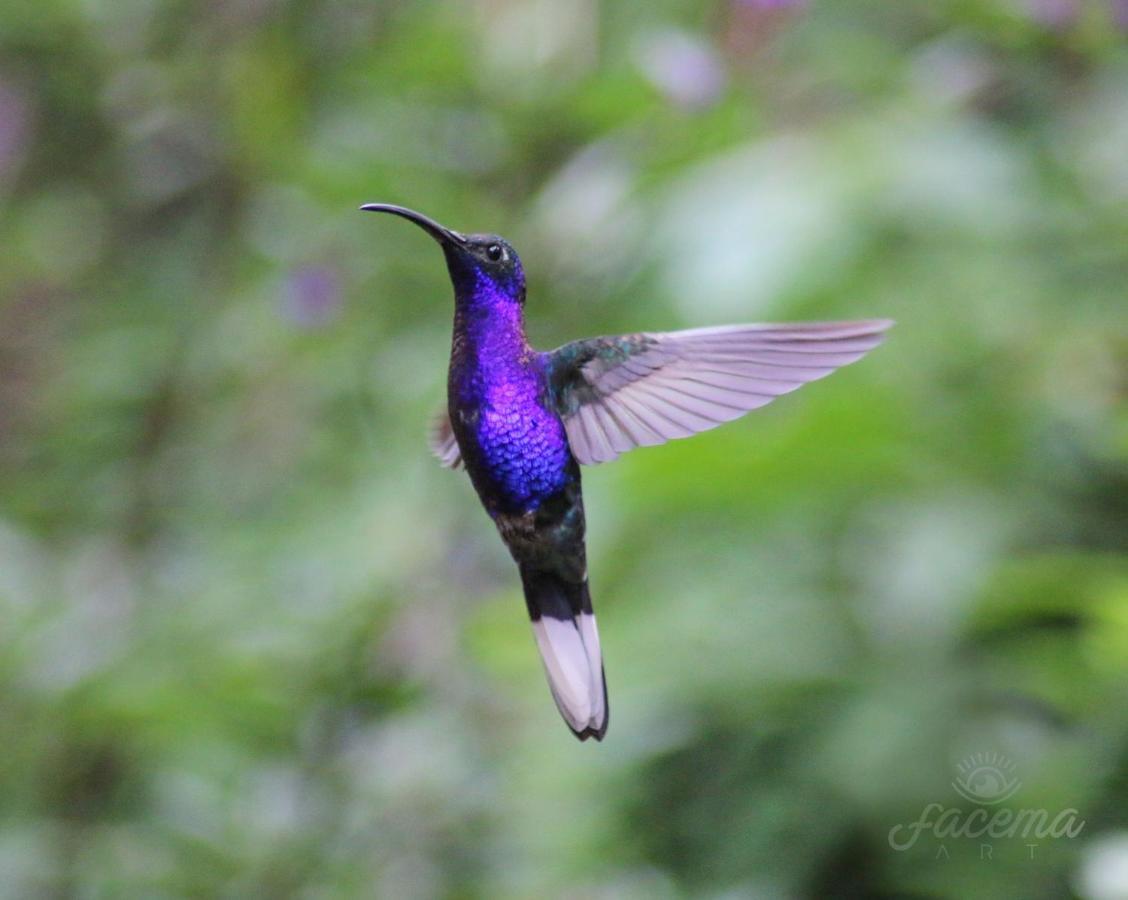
(590, 732)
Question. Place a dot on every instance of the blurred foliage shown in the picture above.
(255, 642)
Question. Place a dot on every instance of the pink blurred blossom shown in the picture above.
(753, 23)
(685, 68)
(312, 296)
(1120, 14)
(1056, 14)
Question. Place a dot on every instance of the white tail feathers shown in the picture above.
(572, 660)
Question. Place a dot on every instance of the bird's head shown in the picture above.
(479, 264)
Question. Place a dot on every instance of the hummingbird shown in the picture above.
(522, 422)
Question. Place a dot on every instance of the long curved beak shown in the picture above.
(440, 233)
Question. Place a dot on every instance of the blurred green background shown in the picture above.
(255, 642)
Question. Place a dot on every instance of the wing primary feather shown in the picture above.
(784, 359)
(616, 435)
(739, 384)
(695, 422)
(639, 431)
(703, 390)
(601, 448)
(586, 450)
(655, 420)
(707, 407)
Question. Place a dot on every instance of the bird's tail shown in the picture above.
(564, 626)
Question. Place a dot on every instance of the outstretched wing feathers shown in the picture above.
(617, 393)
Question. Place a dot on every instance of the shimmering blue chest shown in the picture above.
(520, 452)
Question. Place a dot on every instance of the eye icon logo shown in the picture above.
(986, 778)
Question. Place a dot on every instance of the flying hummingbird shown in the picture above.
(522, 421)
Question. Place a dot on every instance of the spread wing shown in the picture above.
(637, 390)
(442, 442)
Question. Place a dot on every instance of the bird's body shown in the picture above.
(515, 449)
(522, 422)
(513, 443)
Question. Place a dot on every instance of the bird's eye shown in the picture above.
(493, 251)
